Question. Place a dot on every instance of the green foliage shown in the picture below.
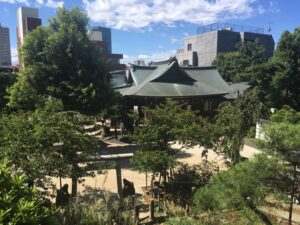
(27, 140)
(96, 207)
(286, 115)
(277, 80)
(186, 178)
(243, 185)
(22, 96)
(166, 124)
(6, 80)
(233, 122)
(60, 61)
(152, 161)
(236, 217)
(19, 204)
(283, 134)
(235, 66)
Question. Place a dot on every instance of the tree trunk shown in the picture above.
(74, 186)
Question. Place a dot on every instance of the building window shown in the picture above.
(185, 62)
(189, 47)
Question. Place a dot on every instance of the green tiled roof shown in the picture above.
(171, 80)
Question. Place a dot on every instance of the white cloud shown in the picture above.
(149, 57)
(137, 14)
(175, 40)
(50, 3)
(16, 1)
(46, 3)
(14, 56)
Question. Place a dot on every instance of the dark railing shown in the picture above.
(229, 27)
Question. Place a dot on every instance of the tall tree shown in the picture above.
(60, 61)
(234, 66)
(277, 81)
(232, 124)
(288, 80)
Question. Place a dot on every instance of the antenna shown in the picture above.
(269, 27)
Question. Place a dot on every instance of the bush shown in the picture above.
(96, 207)
(20, 204)
(244, 185)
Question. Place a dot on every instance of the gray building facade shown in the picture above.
(203, 48)
(106, 37)
(5, 54)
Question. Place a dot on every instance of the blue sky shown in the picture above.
(154, 29)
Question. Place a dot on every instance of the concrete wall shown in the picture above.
(264, 39)
(208, 45)
(227, 41)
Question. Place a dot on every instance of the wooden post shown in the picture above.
(292, 197)
(119, 179)
(146, 179)
(136, 213)
(151, 211)
(74, 186)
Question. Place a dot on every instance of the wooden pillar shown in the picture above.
(74, 186)
(151, 211)
(136, 213)
(119, 179)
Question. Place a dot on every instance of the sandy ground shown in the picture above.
(108, 180)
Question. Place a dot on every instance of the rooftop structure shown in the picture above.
(203, 48)
(5, 54)
(229, 27)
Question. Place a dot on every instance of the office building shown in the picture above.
(5, 54)
(101, 36)
(28, 20)
(203, 48)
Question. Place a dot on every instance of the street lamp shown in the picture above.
(294, 158)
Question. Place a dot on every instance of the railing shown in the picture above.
(229, 27)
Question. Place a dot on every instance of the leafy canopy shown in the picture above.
(60, 61)
(165, 125)
(234, 66)
(19, 204)
(27, 140)
(243, 185)
(6, 80)
(283, 134)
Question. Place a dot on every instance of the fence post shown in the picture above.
(151, 211)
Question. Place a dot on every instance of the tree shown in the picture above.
(283, 134)
(244, 185)
(232, 123)
(288, 80)
(27, 140)
(277, 81)
(61, 62)
(6, 80)
(19, 204)
(234, 66)
(22, 96)
(165, 125)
